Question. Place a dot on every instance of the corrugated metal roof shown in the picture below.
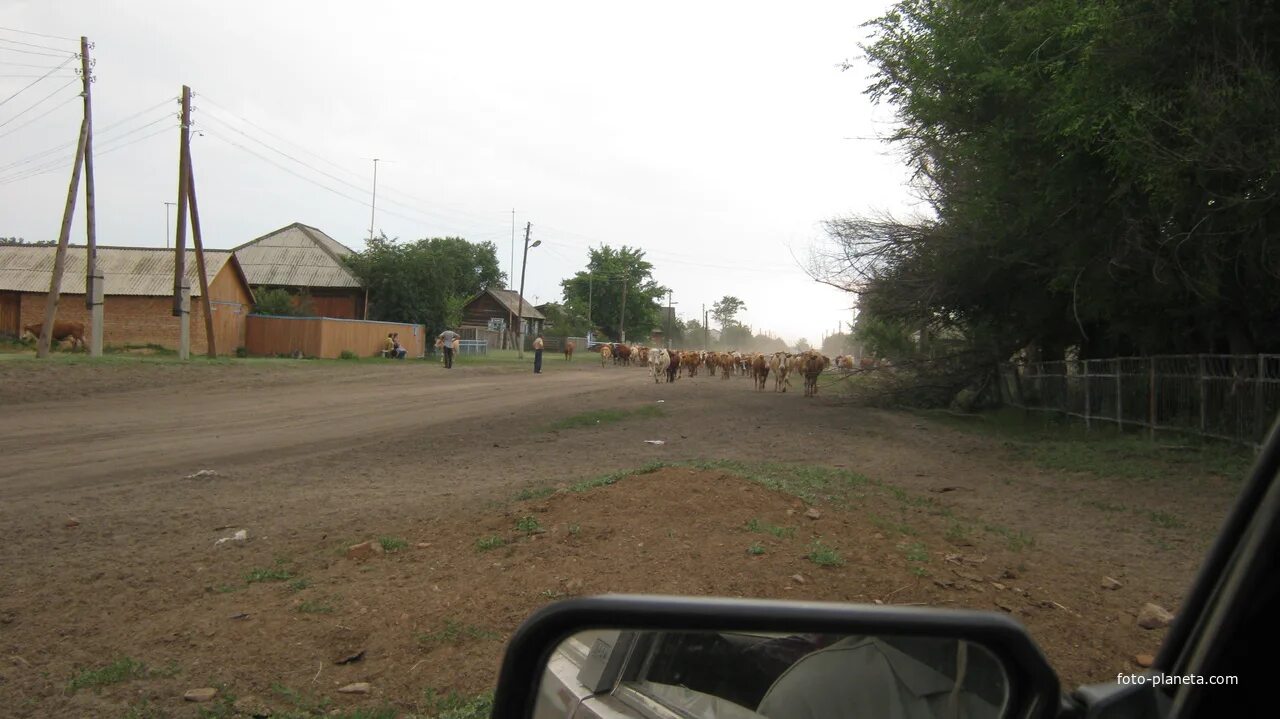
(296, 256)
(139, 271)
(511, 300)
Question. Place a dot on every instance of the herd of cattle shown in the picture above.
(758, 366)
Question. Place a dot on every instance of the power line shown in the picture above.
(40, 34)
(28, 44)
(59, 164)
(37, 103)
(24, 64)
(33, 52)
(47, 74)
(45, 163)
(41, 115)
(98, 133)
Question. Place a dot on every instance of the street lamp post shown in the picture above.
(520, 313)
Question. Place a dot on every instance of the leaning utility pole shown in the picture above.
(197, 238)
(181, 286)
(520, 313)
(93, 289)
(706, 334)
(373, 204)
(671, 310)
(60, 257)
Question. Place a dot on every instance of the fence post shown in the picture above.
(1087, 406)
(1259, 411)
(1151, 398)
(1119, 397)
(1204, 400)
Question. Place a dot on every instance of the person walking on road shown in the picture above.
(537, 354)
(448, 339)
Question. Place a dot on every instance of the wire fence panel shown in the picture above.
(1233, 397)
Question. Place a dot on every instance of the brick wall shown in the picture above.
(130, 320)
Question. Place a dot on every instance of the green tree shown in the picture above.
(802, 345)
(563, 322)
(736, 337)
(18, 241)
(600, 287)
(427, 281)
(281, 302)
(1090, 168)
(726, 309)
(836, 344)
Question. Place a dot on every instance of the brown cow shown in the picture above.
(673, 367)
(622, 354)
(605, 355)
(61, 331)
(569, 347)
(813, 365)
(760, 371)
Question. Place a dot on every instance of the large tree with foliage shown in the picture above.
(427, 281)
(726, 310)
(601, 285)
(1101, 174)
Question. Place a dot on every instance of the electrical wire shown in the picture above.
(39, 102)
(98, 132)
(63, 163)
(28, 44)
(34, 52)
(27, 87)
(54, 164)
(24, 64)
(40, 34)
(77, 96)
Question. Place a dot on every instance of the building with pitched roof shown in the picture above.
(308, 263)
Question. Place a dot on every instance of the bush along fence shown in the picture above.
(1231, 397)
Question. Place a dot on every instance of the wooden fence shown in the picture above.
(1232, 397)
(327, 337)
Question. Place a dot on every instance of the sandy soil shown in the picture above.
(313, 458)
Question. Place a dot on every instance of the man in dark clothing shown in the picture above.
(447, 339)
(537, 355)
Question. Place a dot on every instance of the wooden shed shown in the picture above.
(501, 305)
(138, 294)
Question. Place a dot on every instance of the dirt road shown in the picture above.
(110, 551)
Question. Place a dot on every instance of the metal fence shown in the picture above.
(473, 347)
(1232, 397)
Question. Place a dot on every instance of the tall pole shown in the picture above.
(523, 263)
(184, 175)
(512, 267)
(373, 204)
(671, 310)
(590, 280)
(167, 205)
(60, 258)
(93, 289)
(205, 302)
(622, 319)
(706, 334)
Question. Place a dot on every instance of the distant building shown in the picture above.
(306, 262)
(137, 290)
(496, 307)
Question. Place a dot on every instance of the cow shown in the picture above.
(642, 355)
(673, 366)
(760, 370)
(569, 347)
(61, 331)
(622, 354)
(780, 364)
(728, 365)
(812, 366)
(659, 360)
(605, 355)
(690, 362)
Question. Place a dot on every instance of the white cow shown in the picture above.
(658, 361)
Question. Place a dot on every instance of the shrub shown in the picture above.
(348, 355)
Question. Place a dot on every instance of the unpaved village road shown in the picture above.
(110, 554)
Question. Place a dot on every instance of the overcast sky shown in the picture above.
(712, 135)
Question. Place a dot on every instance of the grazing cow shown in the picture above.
(605, 355)
(659, 360)
(760, 370)
(569, 347)
(673, 366)
(61, 331)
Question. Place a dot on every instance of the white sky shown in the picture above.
(709, 134)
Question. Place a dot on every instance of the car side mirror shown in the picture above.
(656, 656)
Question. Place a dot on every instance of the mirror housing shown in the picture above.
(1035, 690)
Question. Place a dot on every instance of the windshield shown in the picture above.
(338, 338)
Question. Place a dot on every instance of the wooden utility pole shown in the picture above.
(671, 310)
(520, 313)
(622, 318)
(184, 177)
(205, 302)
(60, 258)
(93, 289)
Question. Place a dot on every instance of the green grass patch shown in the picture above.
(315, 606)
(300, 584)
(268, 574)
(392, 544)
(916, 553)
(957, 533)
(529, 493)
(1164, 519)
(438, 705)
(303, 704)
(598, 417)
(575, 529)
(1105, 506)
(1065, 445)
(121, 670)
(615, 477)
(885, 524)
(454, 633)
(1017, 540)
(755, 524)
(824, 556)
(493, 541)
(528, 525)
(756, 549)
